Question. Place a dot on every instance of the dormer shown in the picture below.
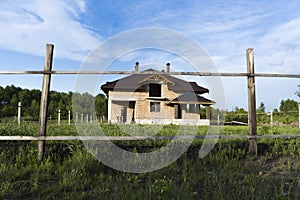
(154, 90)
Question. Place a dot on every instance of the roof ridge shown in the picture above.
(149, 70)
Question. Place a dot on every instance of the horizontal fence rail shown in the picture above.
(170, 73)
(131, 138)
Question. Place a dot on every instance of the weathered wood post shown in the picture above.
(251, 101)
(76, 117)
(81, 118)
(19, 113)
(87, 118)
(69, 117)
(44, 99)
(58, 117)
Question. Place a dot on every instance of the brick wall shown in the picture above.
(121, 99)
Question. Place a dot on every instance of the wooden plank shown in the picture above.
(125, 138)
(271, 116)
(58, 117)
(251, 101)
(19, 113)
(270, 75)
(239, 123)
(44, 100)
(69, 117)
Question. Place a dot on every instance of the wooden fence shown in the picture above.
(84, 119)
(80, 118)
(47, 72)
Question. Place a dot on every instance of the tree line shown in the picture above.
(88, 104)
(30, 99)
(287, 112)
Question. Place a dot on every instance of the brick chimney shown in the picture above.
(168, 68)
(137, 66)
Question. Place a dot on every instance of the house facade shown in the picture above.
(154, 97)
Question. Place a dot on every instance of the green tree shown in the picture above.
(239, 114)
(288, 105)
(261, 108)
(261, 111)
(1, 94)
(298, 91)
(101, 105)
(85, 103)
(33, 110)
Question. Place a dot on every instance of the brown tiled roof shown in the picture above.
(135, 82)
(191, 98)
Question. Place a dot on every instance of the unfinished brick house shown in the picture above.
(154, 97)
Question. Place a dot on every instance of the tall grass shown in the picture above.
(68, 171)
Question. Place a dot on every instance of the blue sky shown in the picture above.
(224, 29)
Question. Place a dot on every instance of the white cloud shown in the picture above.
(279, 49)
(27, 25)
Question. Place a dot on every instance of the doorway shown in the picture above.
(178, 112)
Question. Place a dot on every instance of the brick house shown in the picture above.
(154, 97)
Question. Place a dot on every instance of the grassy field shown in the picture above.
(68, 171)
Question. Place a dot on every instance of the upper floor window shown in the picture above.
(154, 90)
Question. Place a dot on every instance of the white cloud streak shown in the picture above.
(27, 25)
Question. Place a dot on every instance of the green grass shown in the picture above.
(31, 129)
(69, 171)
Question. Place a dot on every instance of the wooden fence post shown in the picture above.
(81, 118)
(58, 117)
(76, 118)
(19, 113)
(251, 101)
(271, 115)
(69, 117)
(44, 100)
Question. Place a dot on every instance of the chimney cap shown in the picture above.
(137, 66)
(168, 68)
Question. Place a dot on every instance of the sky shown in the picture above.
(223, 29)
